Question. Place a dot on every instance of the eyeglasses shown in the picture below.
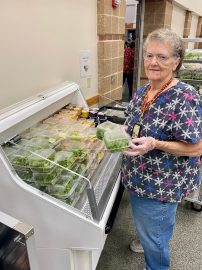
(159, 57)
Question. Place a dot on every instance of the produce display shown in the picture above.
(64, 158)
(198, 75)
(91, 135)
(185, 74)
(70, 145)
(190, 71)
(116, 139)
(67, 189)
(38, 143)
(24, 173)
(20, 157)
(195, 54)
(76, 135)
(192, 66)
(61, 189)
(38, 164)
(47, 178)
(77, 168)
(57, 154)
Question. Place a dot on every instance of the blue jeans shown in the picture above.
(154, 222)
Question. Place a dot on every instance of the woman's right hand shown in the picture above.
(140, 146)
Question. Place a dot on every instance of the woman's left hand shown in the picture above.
(140, 146)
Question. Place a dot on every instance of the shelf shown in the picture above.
(191, 81)
(192, 61)
(192, 39)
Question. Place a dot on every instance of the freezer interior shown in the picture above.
(60, 176)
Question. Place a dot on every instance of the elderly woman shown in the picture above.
(162, 164)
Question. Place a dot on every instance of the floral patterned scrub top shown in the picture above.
(176, 115)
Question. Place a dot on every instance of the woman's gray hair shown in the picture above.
(167, 36)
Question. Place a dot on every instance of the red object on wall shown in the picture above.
(115, 3)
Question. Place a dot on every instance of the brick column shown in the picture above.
(158, 14)
(199, 33)
(111, 31)
(187, 25)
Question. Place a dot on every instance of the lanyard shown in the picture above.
(145, 105)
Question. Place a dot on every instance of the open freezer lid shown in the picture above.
(17, 117)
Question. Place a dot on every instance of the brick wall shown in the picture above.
(187, 25)
(111, 31)
(158, 13)
(199, 33)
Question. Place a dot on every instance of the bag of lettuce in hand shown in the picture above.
(117, 139)
(102, 128)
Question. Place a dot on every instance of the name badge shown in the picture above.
(136, 130)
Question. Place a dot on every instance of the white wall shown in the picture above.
(194, 23)
(131, 11)
(40, 44)
(178, 19)
(192, 5)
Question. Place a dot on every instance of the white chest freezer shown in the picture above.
(69, 234)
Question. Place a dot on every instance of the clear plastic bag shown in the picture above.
(116, 139)
(102, 128)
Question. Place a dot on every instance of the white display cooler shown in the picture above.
(69, 236)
